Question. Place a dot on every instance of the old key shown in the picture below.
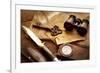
(54, 31)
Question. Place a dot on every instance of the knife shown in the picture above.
(39, 42)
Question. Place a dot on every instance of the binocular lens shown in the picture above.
(68, 26)
(81, 31)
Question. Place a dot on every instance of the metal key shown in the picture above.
(54, 31)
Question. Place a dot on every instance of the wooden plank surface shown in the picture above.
(50, 19)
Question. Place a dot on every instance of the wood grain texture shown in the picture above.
(50, 19)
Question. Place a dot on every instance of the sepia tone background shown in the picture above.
(30, 52)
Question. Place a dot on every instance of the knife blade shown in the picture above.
(38, 42)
